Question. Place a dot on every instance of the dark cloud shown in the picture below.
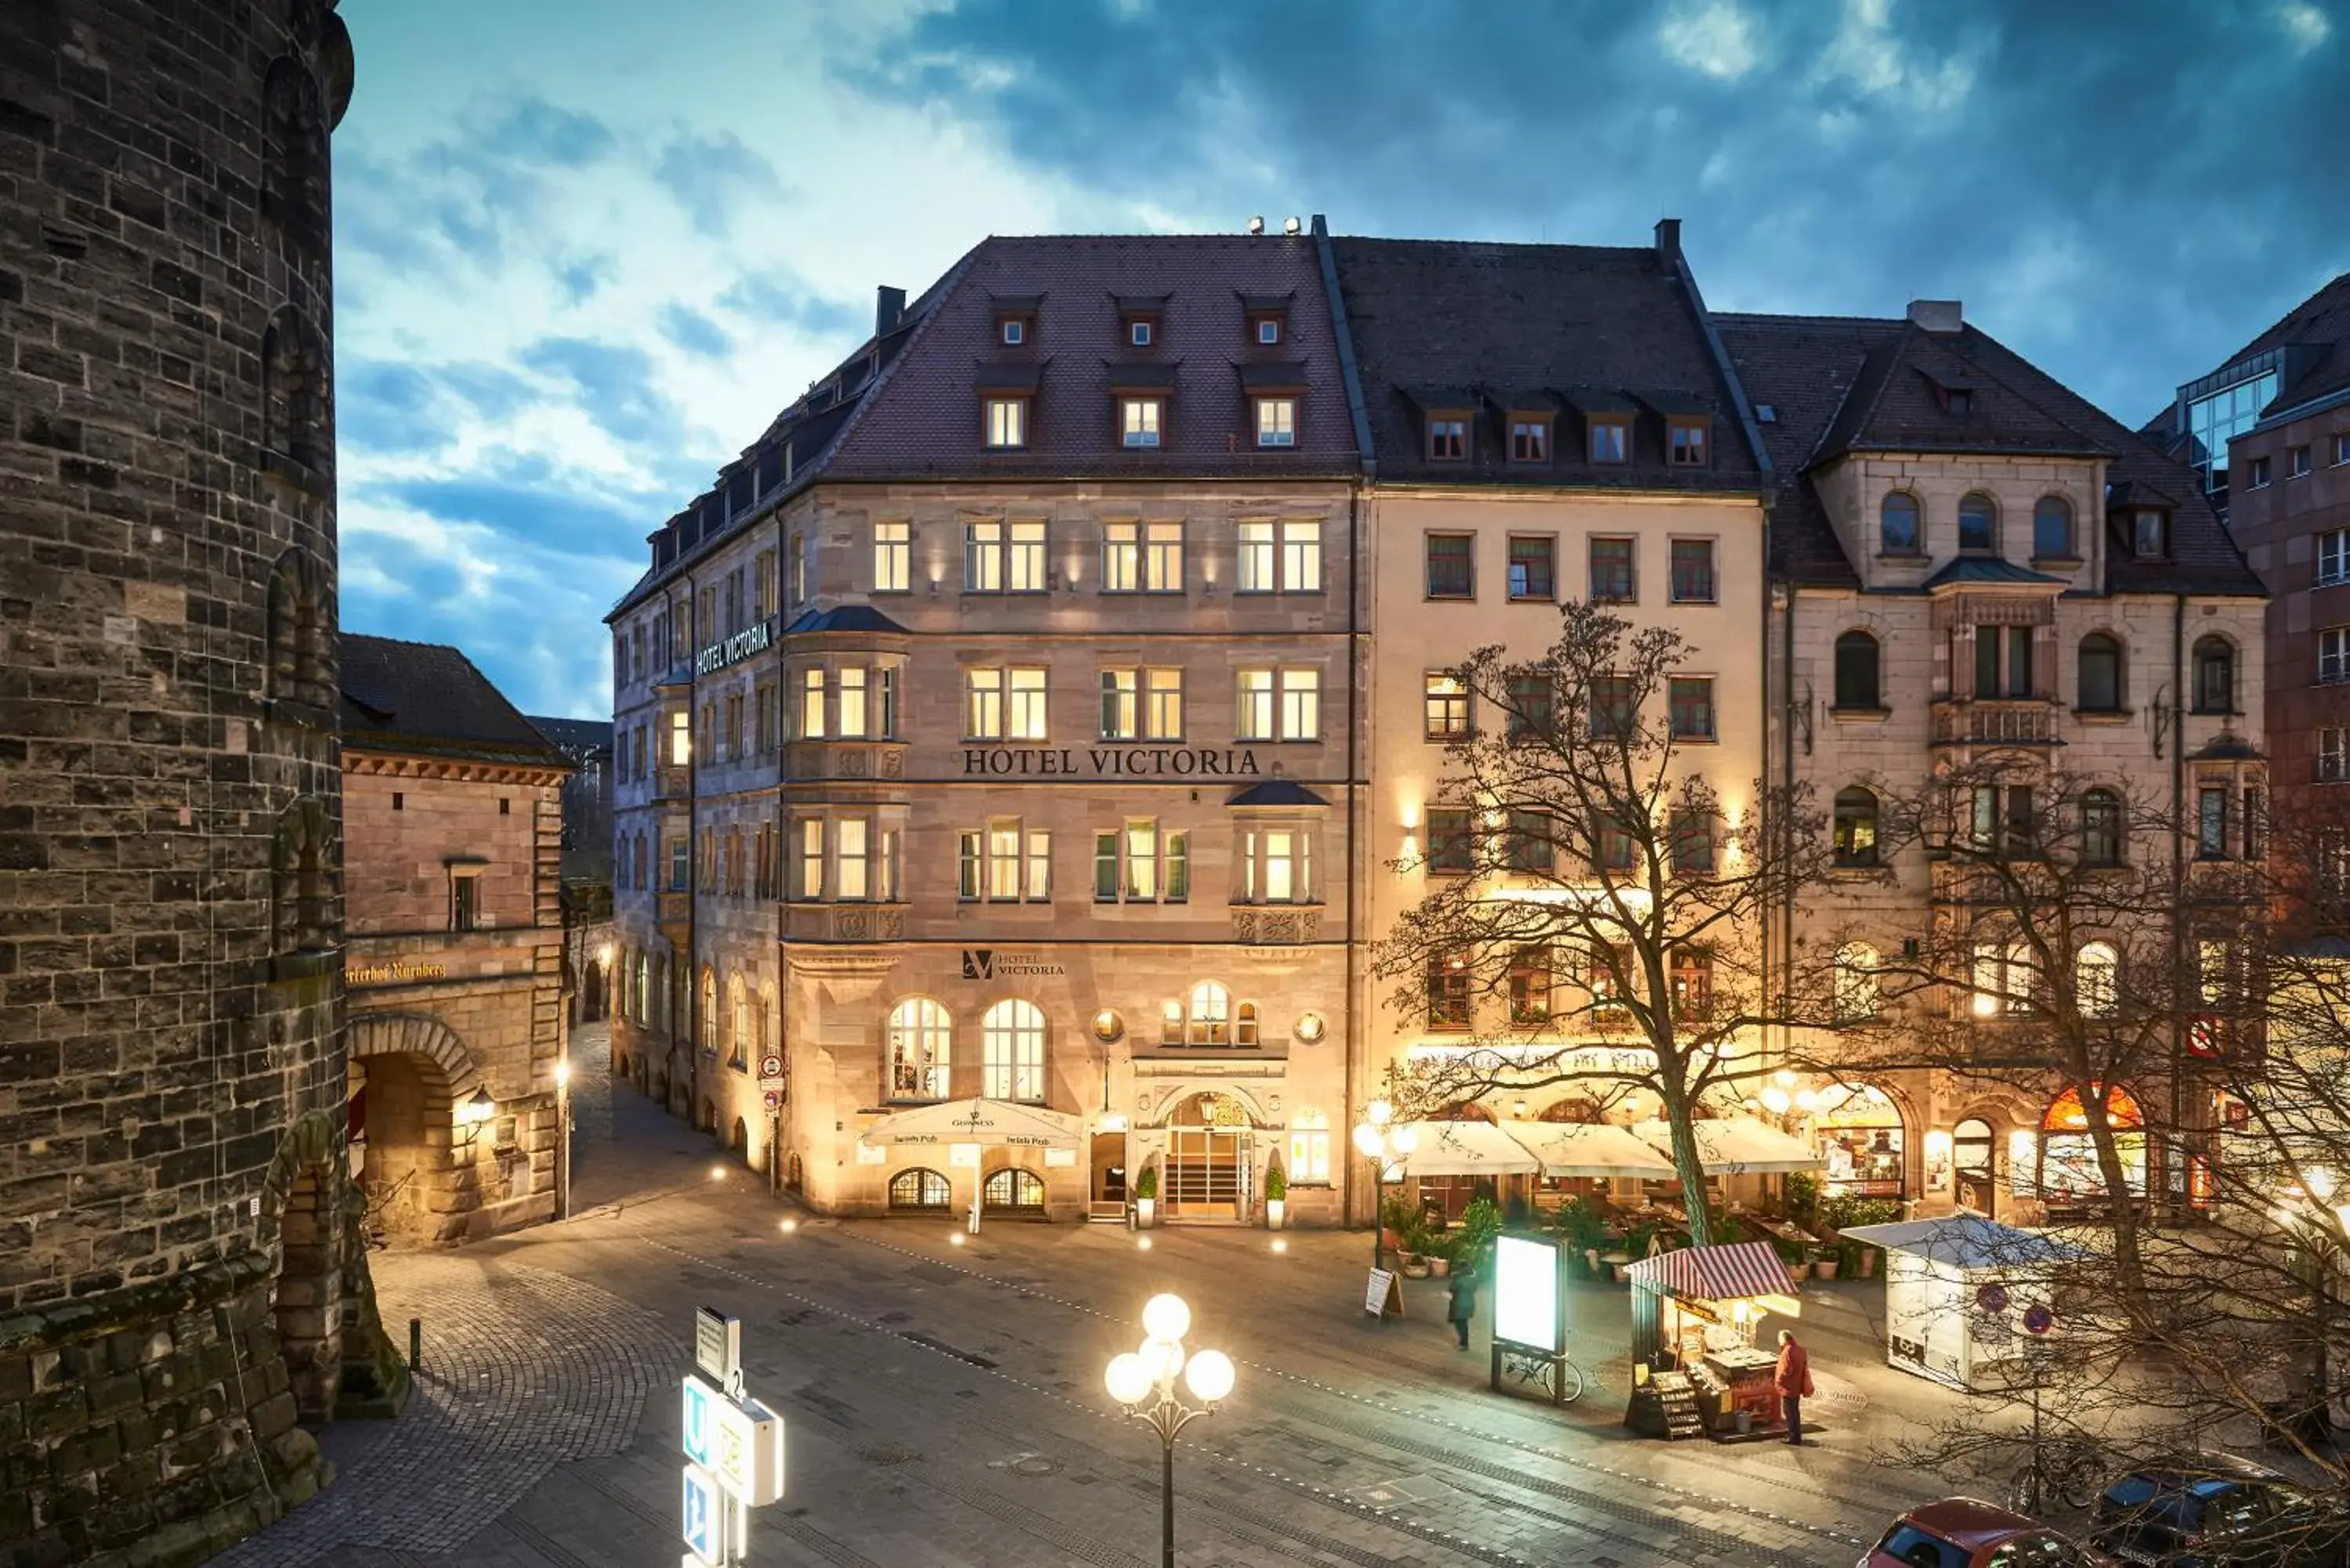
(711, 175)
(771, 297)
(2122, 191)
(582, 278)
(615, 383)
(694, 332)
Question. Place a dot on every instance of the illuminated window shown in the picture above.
(1011, 1050)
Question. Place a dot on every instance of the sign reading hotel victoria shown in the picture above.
(751, 639)
(1112, 762)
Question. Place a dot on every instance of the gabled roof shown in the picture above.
(426, 698)
(2320, 326)
(1276, 792)
(923, 423)
(1602, 329)
(1840, 384)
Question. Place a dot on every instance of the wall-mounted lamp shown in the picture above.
(1108, 1026)
(1310, 1027)
(474, 1114)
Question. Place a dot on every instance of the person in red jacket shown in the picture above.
(1793, 1380)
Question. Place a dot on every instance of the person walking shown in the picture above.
(1461, 1306)
(1793, 1381)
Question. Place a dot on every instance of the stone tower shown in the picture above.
(176, 1285)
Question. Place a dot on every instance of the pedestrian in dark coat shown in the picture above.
(1793, 1380)
(1460, 1307)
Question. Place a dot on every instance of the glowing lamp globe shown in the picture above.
(2320, 1182)
(1367, 1141)
(1381, 1112)
(1210, 1375)
(1166, 1317)
(1128, 1379)
(1404, 1139)
(1776, 1100)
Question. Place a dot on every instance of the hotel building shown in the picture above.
(985, 731)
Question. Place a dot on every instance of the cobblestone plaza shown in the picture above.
(944, 1402)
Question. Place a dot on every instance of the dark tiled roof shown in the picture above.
(1989, 569)
(843, 618)
(427, 697)
(577, 736)
(1841, 383)
(925, 421)
(1609, 328)
(1276, 792)
(2320, 326)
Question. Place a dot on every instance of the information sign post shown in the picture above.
(733, 1447)
(1530, 1312)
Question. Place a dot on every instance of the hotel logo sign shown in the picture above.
(986, 963)
(754, 639)
(1109, 762)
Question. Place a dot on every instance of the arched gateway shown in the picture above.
(1209, 1146)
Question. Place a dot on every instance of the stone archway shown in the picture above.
(407, 1073)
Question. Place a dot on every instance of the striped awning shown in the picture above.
(1741, 1271)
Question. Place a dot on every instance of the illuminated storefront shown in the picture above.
(2059, 1163)
(1860, 1135)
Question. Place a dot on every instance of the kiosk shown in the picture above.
(1965, 1295)
(1695, 1313)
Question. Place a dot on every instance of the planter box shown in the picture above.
(1144, 1208)
(1439, 1267)
(1275, 1210)
(1824, 1268)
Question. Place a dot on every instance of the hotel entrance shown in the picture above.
(1208, 1146)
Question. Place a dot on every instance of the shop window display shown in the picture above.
(1860, 1134)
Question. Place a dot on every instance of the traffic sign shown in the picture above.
(698, 1430)
(750, 1452)
(775, 1100)
(717, 1346)
(1992, 1297)
(705, 1517)
(771, 1069)
(2038, 1319)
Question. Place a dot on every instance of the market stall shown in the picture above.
(1964, 1296)
(1695, 1312)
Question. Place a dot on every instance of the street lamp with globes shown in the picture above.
(2318, 1225)
(1384, 1141)
(1144, 1382)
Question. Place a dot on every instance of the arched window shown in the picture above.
(644, 989)
(2215, 675)
(1858, 685)
(2052, 528)
(1170, 1023)
(2101, 828)
(2100, 674)
(1211, 1011)
(299, 652)
(1978, 524)
(919, 1189)
(2097, 979)
(706, 1026)
(1244, 1024)
(922, 1049)
(1012, 1187)
(294, 391)
(1012, 1050)
(1856, 983)
(1309, 1147)
(302, 880)
(294, 182)
(1855, 826)
(643, 869)
(1898, 530)
(738, 1039)
(761, 1013)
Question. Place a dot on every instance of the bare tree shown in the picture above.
(1596, 898)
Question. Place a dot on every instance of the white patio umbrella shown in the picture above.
(997, 1123)
(1463, 1149)
(1589, 1148)
(1739, 1145)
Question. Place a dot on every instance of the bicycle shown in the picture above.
(2065, 1470)
(1537, 1370)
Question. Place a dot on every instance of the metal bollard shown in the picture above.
(415, 1343)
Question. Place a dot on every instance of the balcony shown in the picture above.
(844, 922)
(1994, 721)
(673, 783)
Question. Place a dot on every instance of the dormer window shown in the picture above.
(1268, 330)
(1959, 401)
(1611, 439)
(1139, 420)
(1447, 439)
(2149, 537)
(1008, 423)
(1139, 331)
(1015, 329)
(1276, 422)
(1686, 443)
(1529, 440)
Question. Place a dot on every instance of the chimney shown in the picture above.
(1668, 241)
(888, 309)
(1937, 314)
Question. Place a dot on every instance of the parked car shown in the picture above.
(1968, 1533)
(2216, 1511)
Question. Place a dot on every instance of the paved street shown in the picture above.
(945, 1406)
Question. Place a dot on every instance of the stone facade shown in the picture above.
(176, 1266)
(439, 1010)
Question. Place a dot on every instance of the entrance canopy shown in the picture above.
(998, 1123)
(1739, 1145)
(1464, 1148)
(1589, 1148)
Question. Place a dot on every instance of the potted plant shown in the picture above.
(1412, 1246)
(1146, 1196)
(1276, 1196)
(1803, 1198)
(1824, 1263)
(1472, 1239)
(1791, 1254)
(1395, 1216)
(1584, 1231)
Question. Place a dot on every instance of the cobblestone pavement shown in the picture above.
(945, 1408)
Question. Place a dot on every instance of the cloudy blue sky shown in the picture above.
(587, 248)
